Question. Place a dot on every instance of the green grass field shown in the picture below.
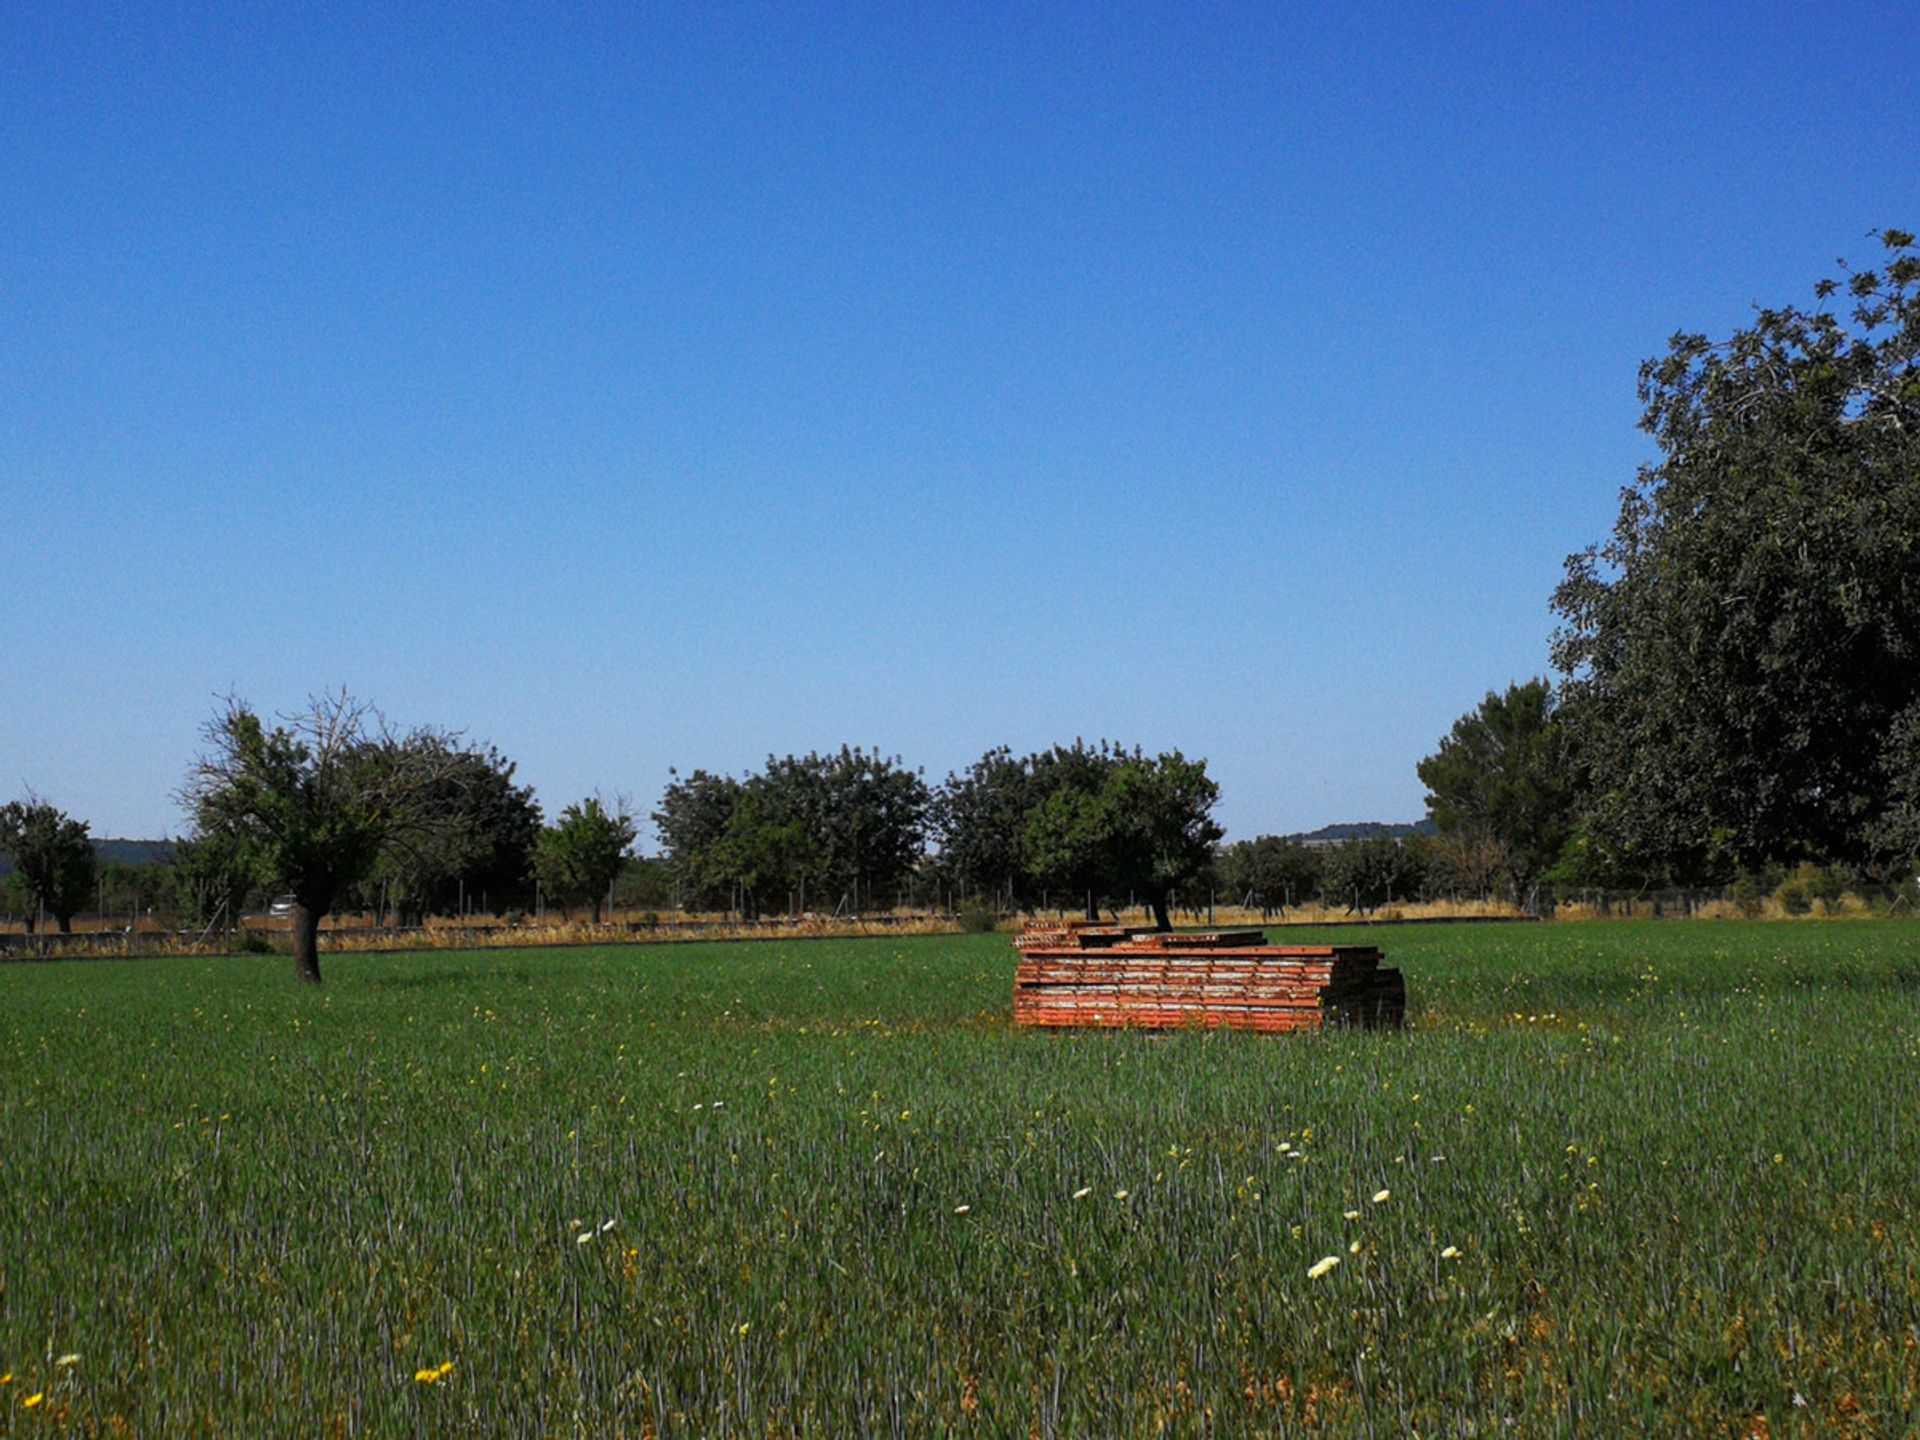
(1655, 1179)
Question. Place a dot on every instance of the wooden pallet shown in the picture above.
(1079, 975)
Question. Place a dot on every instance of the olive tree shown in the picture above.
(316, 799)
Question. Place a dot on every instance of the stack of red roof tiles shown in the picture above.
(1071, 974)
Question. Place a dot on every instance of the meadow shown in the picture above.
(1614, 1179)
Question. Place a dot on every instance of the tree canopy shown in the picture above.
(579, 858)
(1743, 654)
(1497, 787)
(53, 859)
(315, 801)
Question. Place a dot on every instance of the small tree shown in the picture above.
(316, 800)
(53, 857)
(582, 855)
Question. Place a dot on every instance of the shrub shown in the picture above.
(1746, 895)
(978, 919)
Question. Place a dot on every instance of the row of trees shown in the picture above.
(1739, 663)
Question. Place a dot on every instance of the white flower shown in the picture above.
(1353, 1214)
(1322, 1266)
(1083, 1192)
(1380, 1197)
(1354, 1248)
(1452, 1252)
(1121, 1194)
(606, 1225)
(65, 1360)
(961, 1209)
(583, 1237)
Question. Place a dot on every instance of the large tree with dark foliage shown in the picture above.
(481, 844)
(1270, 872)
(1499, 783)
(1743, 655)
(691, 822)
(53, 858)
(315, 800)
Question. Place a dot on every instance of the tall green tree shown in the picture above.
(1501, 776)
(53, 859)
(315, 800)
(580, 857)
(692, 821)
(1739, 652)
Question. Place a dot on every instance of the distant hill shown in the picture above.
(1363, 830)
(120, 852)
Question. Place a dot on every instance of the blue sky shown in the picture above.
(635, 389)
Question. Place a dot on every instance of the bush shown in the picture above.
(1746, 895)
(1807, 886)
(515, 917)
(252, 942)
(978, 919)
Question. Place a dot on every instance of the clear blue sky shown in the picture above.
(633, 390)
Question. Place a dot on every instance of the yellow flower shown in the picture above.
(1380, 1197)
(33, 1400)
(1083, 1192)
(1452, 1252)
(66, 1360)
(1351, 1214)
(1354, 1248)
(6, 1379)
(1121, 1194)
(1321, 1267)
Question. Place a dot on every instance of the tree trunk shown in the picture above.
(306, 943)
(1093, 910)
(596, 909)
(1161, 920)
(65, 922)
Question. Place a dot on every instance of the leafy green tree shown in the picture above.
(1738, 653)
(978, 817)
(52, 856)
(691, 822)
(1270, 872)
(1501, 776)
(481, 843)
(579, 858)
(1115, 822)
(315, 801)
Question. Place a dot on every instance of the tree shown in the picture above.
(692, 821)
(482, 841)
(316, 800)
(53, 856)
(1498, 785)
(579, 858)
(1270, 872)
(1363, 875)
(1739, 651)
(212, 876)
(1165, 831)
(1114, 823)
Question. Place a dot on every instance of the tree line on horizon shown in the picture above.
(1738, 700)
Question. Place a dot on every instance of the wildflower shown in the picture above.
(1354, 1248)
(1322, 1266)
(434, 1375)
(6, 1379)
(66, 1360)
(745, 1325)
(1352, 1214)
(1083, 1192)
(583, 1237)
(606, 1225)
(33, 1400)
(962, 1209)
(1452, 1252)
(1121, 1194)
(1380, 1197)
